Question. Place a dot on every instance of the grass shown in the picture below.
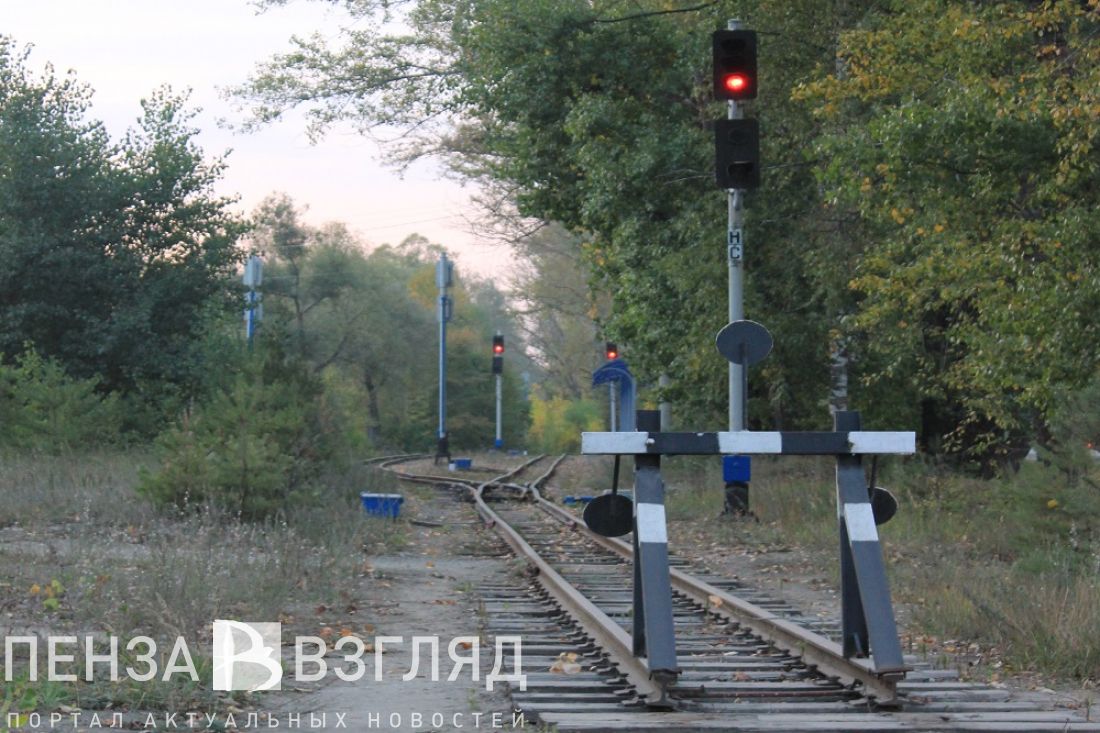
(1011, 565)
(81, 553)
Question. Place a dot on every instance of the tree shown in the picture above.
(900, 234)
(961, 135)
(366, 320)
(598, 117)
(112, 255)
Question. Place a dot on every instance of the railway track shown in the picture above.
(748, 661)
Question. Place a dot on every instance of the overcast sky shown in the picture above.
(124, 49)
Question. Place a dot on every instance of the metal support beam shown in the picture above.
(867, 615)
(652, 588)
(749, 442)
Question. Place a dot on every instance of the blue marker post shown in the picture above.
(254, 310)
(444, 277)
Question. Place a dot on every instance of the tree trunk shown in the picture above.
(374, 416)
(838, 375)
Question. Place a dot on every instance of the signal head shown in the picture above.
(734, 64)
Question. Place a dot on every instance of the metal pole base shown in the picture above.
(737, 499)
(442, 450)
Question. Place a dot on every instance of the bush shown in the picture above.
(557, 423)
(254, 448)
(43, 408)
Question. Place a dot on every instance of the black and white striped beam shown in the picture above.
(746, 442)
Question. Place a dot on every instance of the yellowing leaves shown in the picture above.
(50, 594)
(566, 663)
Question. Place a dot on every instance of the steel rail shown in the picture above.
(605, 631)
(612, 638)
(814, 650)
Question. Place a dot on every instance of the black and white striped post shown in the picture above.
(867, 612)
(654, 634)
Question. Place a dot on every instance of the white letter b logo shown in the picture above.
(254, 668)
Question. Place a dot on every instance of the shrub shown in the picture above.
(43, 408)
(254, 448)
(557, 423)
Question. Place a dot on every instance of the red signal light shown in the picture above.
(612, 351)
(736, 82)
(498, 348)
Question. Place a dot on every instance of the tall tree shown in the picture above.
(111, 253)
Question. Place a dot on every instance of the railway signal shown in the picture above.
(737, 168)
(734, 64)
(498, 354)
(611, 351)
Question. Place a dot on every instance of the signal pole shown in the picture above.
(499, 442)
(444, 276)
(611, 351)
(254, 313)
(735, 252)
(498, 372)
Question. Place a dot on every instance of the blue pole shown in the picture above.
(443, 276)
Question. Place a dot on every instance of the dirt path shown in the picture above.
(427, 588)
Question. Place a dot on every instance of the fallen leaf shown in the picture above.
(715, 601)
(566, 663)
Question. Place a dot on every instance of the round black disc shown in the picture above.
(611, 515)
(883, 505)
(744, 342)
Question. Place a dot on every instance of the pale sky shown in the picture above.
(124, 49)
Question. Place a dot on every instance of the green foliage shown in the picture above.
(367, 322)
(43, 408)
(110, 252)
(977, 189)
(596, 116)
(557, 423)
(1075, 433)
(927, 205)
(255, 447)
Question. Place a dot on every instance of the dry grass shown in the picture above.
(80, 552)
